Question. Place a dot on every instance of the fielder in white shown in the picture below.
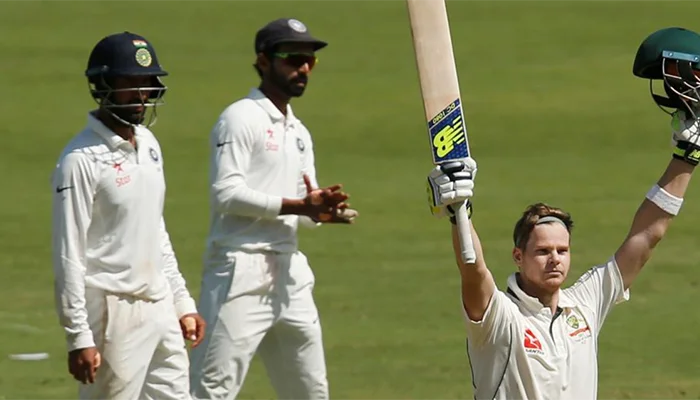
(120, 297)
(257, 286)
(537, 340)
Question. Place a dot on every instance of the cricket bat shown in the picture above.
(447, 131)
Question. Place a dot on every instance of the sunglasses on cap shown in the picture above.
(297, 60)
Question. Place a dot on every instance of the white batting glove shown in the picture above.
(686, 138)
(451, 183)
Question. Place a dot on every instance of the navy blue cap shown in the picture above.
(284, 30)
(124, 54)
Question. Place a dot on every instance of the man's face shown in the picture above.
(545, 261)
(128, 90)
(289, 68)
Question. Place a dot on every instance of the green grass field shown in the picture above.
(554, 114)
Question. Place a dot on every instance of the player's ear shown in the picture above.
(518, 257)
(262, 62)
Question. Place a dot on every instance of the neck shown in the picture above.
(548, 299)
(126, 132)
(279, 99)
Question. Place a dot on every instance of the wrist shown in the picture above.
(453, 217)
(293, 207)
(664, 200)
(80, 340)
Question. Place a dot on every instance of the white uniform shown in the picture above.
(117, 282)
(521, 351)
(257, 287)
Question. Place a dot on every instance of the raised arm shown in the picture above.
(450, 184)
(662, 202)
(477, 282)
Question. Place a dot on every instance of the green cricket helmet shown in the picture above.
(673, 56)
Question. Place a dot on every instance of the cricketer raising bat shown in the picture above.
(439, 86)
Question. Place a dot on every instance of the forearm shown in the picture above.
(477, 282)
(651, 221)
(183, 301)
(69, 290)
(239, 199)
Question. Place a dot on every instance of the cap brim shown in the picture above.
(316, 43)
(125, 72)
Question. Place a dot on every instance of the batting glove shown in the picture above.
(686, 138)
(449, 185)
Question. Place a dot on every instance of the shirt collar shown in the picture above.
(532, 303)
(266, 104)
(112, 139)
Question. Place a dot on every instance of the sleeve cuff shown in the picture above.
(273, 207)
(185, 306)
(623, 295)
(81, 340)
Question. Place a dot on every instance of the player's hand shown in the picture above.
(449, 185)
(193, 327)
(83, 364)
(342, 215)
(322, 204)
(686, 137)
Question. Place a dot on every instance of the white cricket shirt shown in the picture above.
(108, 229)
(519, 350)
(258, 157)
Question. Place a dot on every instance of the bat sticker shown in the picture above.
(448, 134)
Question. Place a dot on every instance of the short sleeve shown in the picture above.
(494, 326)
(600, 288)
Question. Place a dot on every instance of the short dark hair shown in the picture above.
(532, 214)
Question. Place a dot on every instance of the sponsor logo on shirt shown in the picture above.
(270, 144)
(120, 180)
(300, 145)
(531, 343)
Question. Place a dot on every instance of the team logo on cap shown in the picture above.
(143, 57)
(297, 25)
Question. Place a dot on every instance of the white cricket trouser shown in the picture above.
(143, 351)
(264, 303)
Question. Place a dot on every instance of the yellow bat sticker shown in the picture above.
(448, 134)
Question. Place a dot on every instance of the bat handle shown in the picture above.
(465, 234)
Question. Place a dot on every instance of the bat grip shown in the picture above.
(465, 234)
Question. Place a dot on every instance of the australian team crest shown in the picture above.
(300, 145)
(573, 322)
(154, 154)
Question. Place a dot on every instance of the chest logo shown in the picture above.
(572, 321)
(300, 145)
(118, 167)
(154, 154)
(270, 144)
(531, 343)
(579, 329)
